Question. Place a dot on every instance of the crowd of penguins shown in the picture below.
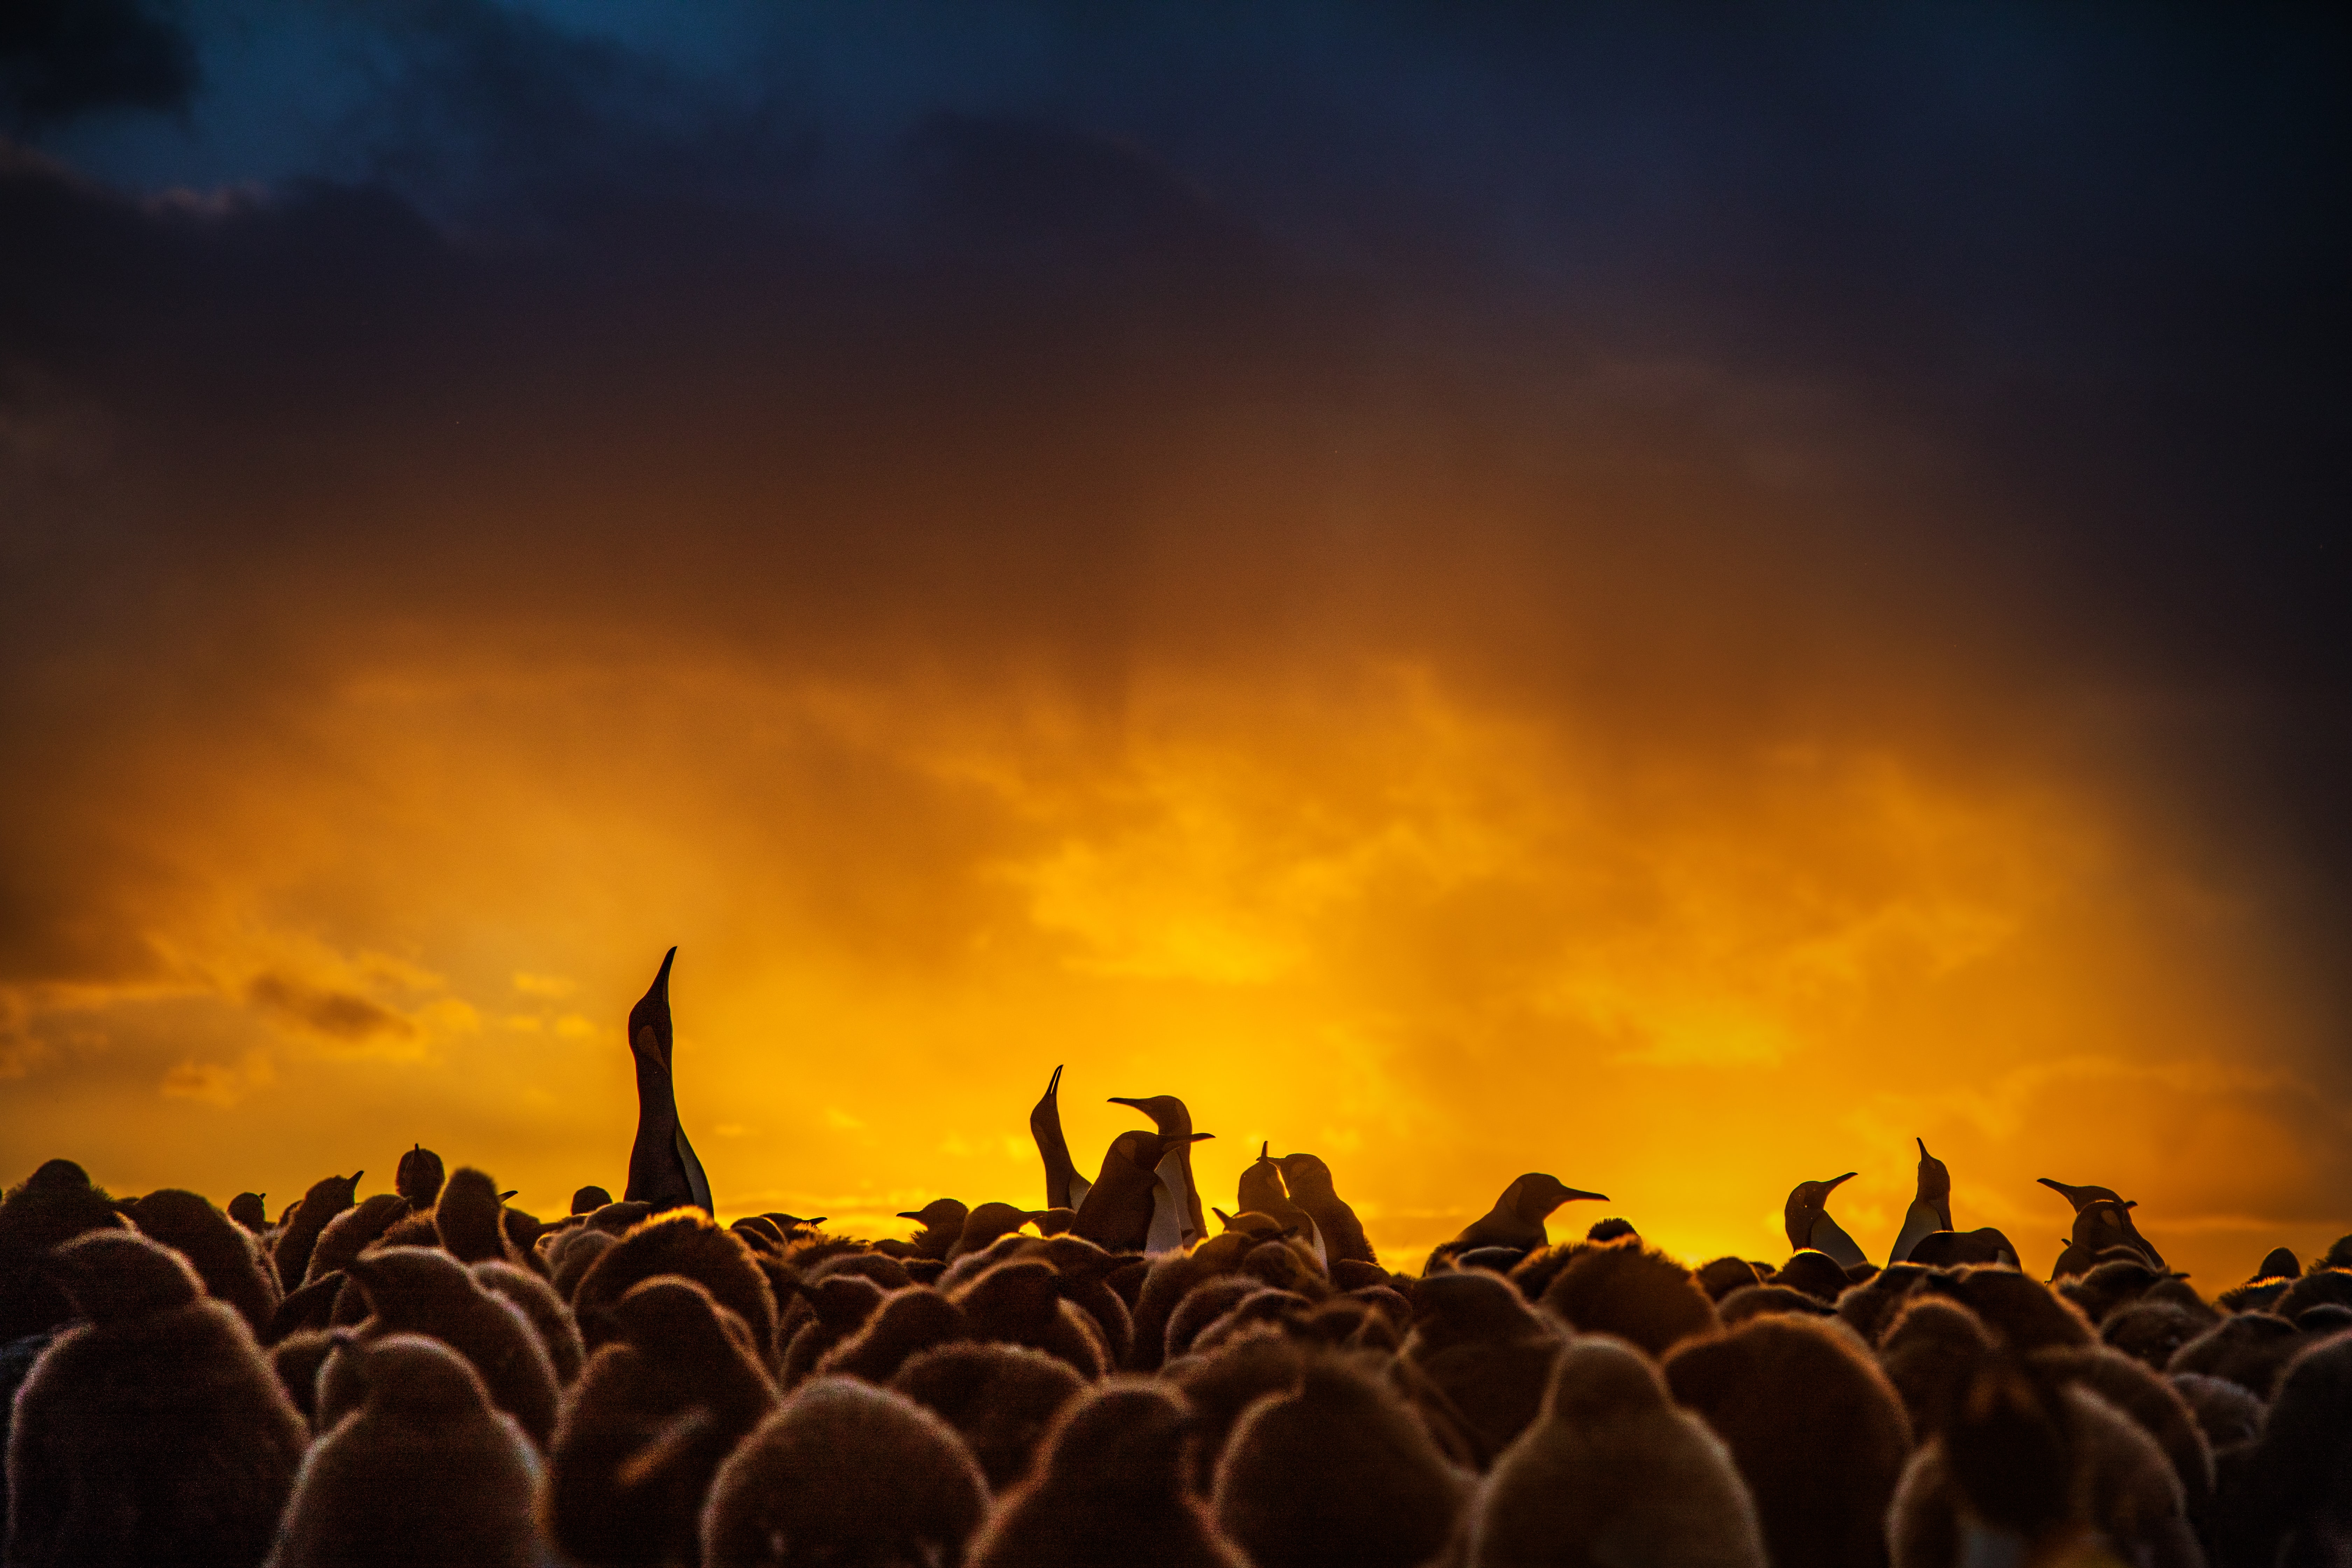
(429, 1376)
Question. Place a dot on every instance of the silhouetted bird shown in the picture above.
(690, 1244)
(1001, 1399)
(1064, 1188)
(1180, 1224)
(1263, 1191)
(246, 1209)
(1809, 1225)
(1931, 1205)
(328, 1197)
(1637, 1292)
(662, 1170)
(2082, 1199)
(1517, 1220)
(418, 1177)
(220, 1249)
(1478, 1357)
(1340, 1236)
(942, 1220)
(1118, 1207)
(422, 1290)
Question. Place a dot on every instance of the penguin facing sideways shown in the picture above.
(1261, 1191)
(986, 1225)
(250, 1210)
(1339, 1238)
(2101, 1225)
(1177, 1221)
(942, 1220)
(1817, 1431)
(1806, 1217)
(1517, 1220)
(354, 1231)
(1337, 1471)
(422, 1290)
(1634, 1291)
(656, 1413)
(2082, 1198)
(424, 1471)
(662, 1170)
(845, 1473)
(690, 1244)
(1064, 1188)
(216, 1245)
(328, 1196)
(1109, 1488)
(150, 1432)
(1001, 1399)
(1481, 1356)
(1119, 1208)
(1613, 1475)
(1931, 1205)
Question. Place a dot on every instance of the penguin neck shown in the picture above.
(1168, 1193)
(656, 1097)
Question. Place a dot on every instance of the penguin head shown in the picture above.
(669, 1314)
(56, 1176)
(937, 1215)
(2279, 1263)
(2102, 1223)
(246, 1209)
(1533, 1196)
(418, 1177)
(400, 1282)
(2078, 1197)
(588, 1200)
(1598, 1377)
(1307, 1176)
(1256, 1226)
(333, 1194)
(112, 1275)
(650, 1032)
(1126, 1438)
(1139, 1149)
(1167, 1113)
(1471, 1304)
(1261, 1186)
(1806, 1199)
(1934, 1180)
(415, 1375)
(841, 1302)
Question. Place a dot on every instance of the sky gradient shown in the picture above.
(1673, 599)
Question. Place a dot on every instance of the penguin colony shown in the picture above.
(429, 1376)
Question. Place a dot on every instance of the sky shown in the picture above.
(1675, 596)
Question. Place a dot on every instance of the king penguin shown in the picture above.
(1338, 1236)
(1809, 1226)
(1064, 1188)
(1517, 1220)
(1261, 1191)
(1127, 1194)
(2084, 1197)
(1181, 1225)
(1931, 1205)
(662, 1170)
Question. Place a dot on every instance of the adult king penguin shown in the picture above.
(2084, 1197)
(1181, 1225)
(663, 1171)
(1064, 1188)
(1809, 1226)
(1517, 1220)
(1931, 1205)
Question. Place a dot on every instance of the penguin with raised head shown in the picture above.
(328, 1196)
(2082, 1198)
(424, 1471)
(1807, 1219)
(1931, 1205)
(845, 1472)
(662, 1170)
(1110, 1488)
(1178, 1224)
(1613, 1472)
(1064, 1188)
(1517, 1220)
(1339, 1238)
(1261, 1191)
(151, 1431)
(2100, 1225)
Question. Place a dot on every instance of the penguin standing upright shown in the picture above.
(662, 1170)
(2082, 1198)
(1127, 1192)
(1809, 1226)
(1064, 1188)
(1174, 1121)
(1517, 1220)
(1931, 1205)
(1261, 1191)
(1339, 1235)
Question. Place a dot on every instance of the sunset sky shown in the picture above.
(1670, 597)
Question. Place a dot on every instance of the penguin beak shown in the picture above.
(1196, 1136)
(910, 1214)
(1571, 1194)
(1923, 1147)
(1834, 1184)
(355, 1177)
(507, 1193)
(1123, 1099)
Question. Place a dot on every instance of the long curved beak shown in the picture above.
(1923, 1147)
(1835, 1182)
(910, 1214)
(1569, 1194)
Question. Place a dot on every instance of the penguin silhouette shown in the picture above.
(1336, 1472)
(543, 1309)
(424, 1471)
(843, 1473)
(2278, 1263)
(686, 1243)
(1261, 1191)
(988, 1224)
(1517, 1220)
(1929, 1353)
(1180, 1225)
(2083, 1197)
(418, 1177)
(153, 1431)
(1339, 1237)
(328, 1197)
(656, 1414)
(1612, 1472)
(216, 1245)
(1110, 1488)
(2149, 1399)
(839, 1306)
(352, 1232)
(1001, 1399)
(942, 1220)
(1064, 1188)
(2099, 1225)
(1477, 1358)
(1119, 1208)
(1931, 1205)
(663, 1171)
(1634, 1291)
(1809, 1224)
(249, 1211)
(420, 1289)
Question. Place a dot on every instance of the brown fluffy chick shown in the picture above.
(1479, 1358)
(1001, 1399)
(422, 1290)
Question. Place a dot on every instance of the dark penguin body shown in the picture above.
(46, 1209)
(845, 1475)
(839, 1305)
(1173, 1122)
(656, 1413)
(942, 1220)
(1340, 1236)
(541, 1308)
(2287, 1496)
(2084, 1197)
(249, 1211)
(1117, 1213)
(690, 1244)
(420, 1290)
(1261, 1191)
(424, 1471)
(662, 1170)
(1337, 1473)
(1479, 1358)
(2101, 1225)
(1517, 1220)
(1064, 1188)
(1806, 1218)
(469, 1220)
(153, 1432)
(1110, 1488)
(418, 1177)
(217, 1248)
(352, 1232)
(1818, 1432)
(1611, 1475)
(1931, 1206)
(1001, 1399)
(328, 1197)
(985, 1226)
(1633, 1291)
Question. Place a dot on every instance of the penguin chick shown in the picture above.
(2108, 1286)
(2225, 1412)
(151, 1432)
(2321, 1286)
(656, 1413)
(328, 1197)
(1338, 1234)
(942, 1222)
(1001, 1399)
(2278, 1263)
(2251, 1350)
(418, 1177)
(1169, 1277)
(574, 1253)
(1721, 1276)
(1760, 1300)
(2022, 1312)
(352, 1232)
(216, 1245)
(549, 1318)
(1634, 1291)
(1929, 1353)
(1611, 1473)
(421, 1291)
(1815, 1273)
(909, 1320)
(588, 1200)
(1110, 1488)
(688, 1243)
(841, 1304)
(247, 1210)
(1817, 1431)
(1337, 1473)
(1020, 1303)
(2287, 1496)
(985, 1227)
(2150, 1400)
(1950, 1248)
(1806, 1218)
(845, 1473)
(296, 1361)
(1517, 1220)
(1206, 1305)
(1481, 1356)
(466, 1218)
(424, 1471)
(1869, 1308)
